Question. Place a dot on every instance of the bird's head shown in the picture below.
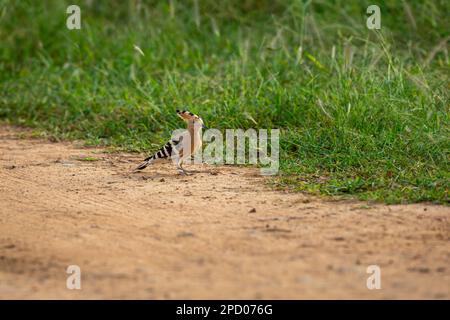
(191, 119)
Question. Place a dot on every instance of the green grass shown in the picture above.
(362, 113)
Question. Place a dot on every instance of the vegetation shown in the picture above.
(362, 112)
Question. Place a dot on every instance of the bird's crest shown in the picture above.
(186, 115)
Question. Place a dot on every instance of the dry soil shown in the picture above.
(220, 233)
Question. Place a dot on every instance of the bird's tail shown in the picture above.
(163, 153)
(145, 163)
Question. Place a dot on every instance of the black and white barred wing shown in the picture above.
(172, 148)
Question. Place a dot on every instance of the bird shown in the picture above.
(181, 146)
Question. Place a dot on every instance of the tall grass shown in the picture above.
(362, 112)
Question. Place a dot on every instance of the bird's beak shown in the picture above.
(204, 127)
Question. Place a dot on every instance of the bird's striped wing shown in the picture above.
(173, 147)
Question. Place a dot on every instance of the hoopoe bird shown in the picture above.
(182, 146)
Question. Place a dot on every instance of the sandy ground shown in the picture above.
(220, 233)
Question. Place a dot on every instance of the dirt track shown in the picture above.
(157, 235)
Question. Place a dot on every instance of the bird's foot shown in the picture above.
(183, 172)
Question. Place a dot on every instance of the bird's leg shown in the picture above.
(188, 171)
(180, 168)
